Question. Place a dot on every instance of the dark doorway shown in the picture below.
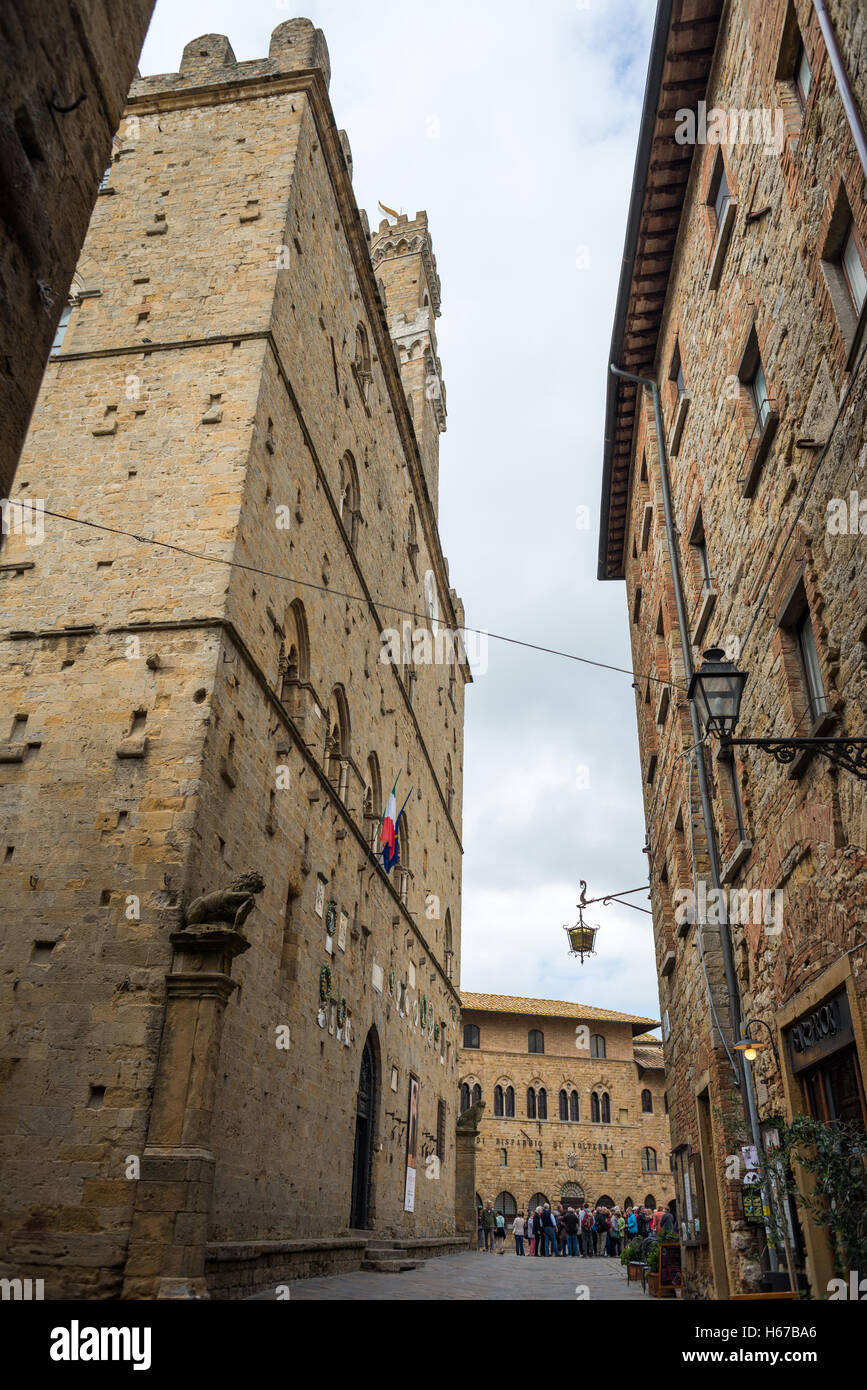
(365, 1116)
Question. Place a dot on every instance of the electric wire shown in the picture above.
(353, 598)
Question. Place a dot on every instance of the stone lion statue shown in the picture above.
(469, 1120)
(233, 904)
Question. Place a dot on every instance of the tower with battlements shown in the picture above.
(229, 1038)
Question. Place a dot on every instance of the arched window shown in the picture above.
(538, 1199)
(412, 543)
(605, 1201)
(472, 1037)
(361, 364)
(510, 1102)
(448, 944)
(373, 803)
(573, 1106)
(535, 1040)
(294, 655)
(597, 1045)
(531, 1103)
(465, 1096)
(504, 1202)
(646, 1102)
(594, 1108)
(564, 1106)
(606, 1109)
(650, 1201)
(337, 742)
(403, 872)
(349, 498)
(477, 1093)
(542, 1104)
(450, 786)
(498, 1100)
(648, 1160)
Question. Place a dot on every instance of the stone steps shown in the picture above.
(380, 1266)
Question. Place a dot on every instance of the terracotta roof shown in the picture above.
(650, 1061)
(647, 1038)
(549, 1008)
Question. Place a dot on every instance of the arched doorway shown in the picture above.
(650, 1201)
(605, 1201)
(365, 1119)
(572, 1194)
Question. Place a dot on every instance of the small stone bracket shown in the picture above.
(133, 747)
(160, 226)
(214, 413)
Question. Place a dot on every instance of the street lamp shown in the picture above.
(582, 938)
(716, 689)
(750, 1046)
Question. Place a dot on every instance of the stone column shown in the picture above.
(166, 1255)
(466, 1133)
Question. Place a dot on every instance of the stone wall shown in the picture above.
(208, 720)
(64, 71)
(804, 831)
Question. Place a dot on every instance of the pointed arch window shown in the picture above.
(465, 1096)
(646, 1102)
(594, 1108)
(477, 1093)
(648, 1160)
(573, 1106)
(349, 498)
(361, 363)
(531, 1103)
(542, 1103)
(605, 1108)
(510, 1102)
(498, 1101)
(564, 1106)
(337, 743)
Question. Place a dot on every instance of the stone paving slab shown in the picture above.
(474, 1276)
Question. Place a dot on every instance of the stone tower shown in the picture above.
(406, 271)
(195, 695)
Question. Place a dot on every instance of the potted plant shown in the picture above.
(651, 1259)
(631, 1257)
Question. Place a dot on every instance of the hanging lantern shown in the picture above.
(582, 938)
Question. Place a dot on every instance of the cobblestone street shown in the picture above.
(475, 1276)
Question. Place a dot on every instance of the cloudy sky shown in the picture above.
(515, 127)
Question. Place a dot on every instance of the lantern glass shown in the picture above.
(716, 688)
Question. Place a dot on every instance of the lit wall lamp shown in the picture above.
(750, 1046)
(717, 688)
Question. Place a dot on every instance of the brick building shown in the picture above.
(192, 1102)
(574, 1103)
(64, 74)
(742, 297)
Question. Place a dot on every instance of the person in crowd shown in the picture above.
(549, 1231)
(667, 1223)
(480, 1230)
(561, 1231)
(489, 1222)
(531, 1231)
(540, 1239)
(587, 1230)
(631, 1222)
(614, 1233)
(643, 1222)
(655, 1220)
(572, 1227)
(500, 1233)
(601, 1228)
(518, 1233)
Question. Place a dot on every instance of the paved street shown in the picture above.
(477, 1276)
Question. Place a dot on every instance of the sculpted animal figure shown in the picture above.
(233, 904)
(470, 1118)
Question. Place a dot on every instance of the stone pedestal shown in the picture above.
(166, 1255)
(466, 1133)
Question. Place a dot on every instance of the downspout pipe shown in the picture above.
(847, 96)
(747, 1091)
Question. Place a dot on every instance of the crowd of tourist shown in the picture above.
(577, 1231)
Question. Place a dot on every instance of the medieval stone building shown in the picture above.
(64, 74)
(574, 1100)
(743, 297)
(229, 1039)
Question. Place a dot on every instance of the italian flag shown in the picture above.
(388, 830)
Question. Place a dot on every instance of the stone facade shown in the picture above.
(721, 291)
(518, 1154)
(175, 717)
(64, 73)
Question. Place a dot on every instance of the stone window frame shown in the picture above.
(533, 1033)
(704, 590)
(646, 1166)
(472, 1046)
(646, 1109)
(757, 434)
(837, 221)
(718, 230)
(795, 109)
(796, 606)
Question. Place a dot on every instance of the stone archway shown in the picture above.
(570, 1193)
